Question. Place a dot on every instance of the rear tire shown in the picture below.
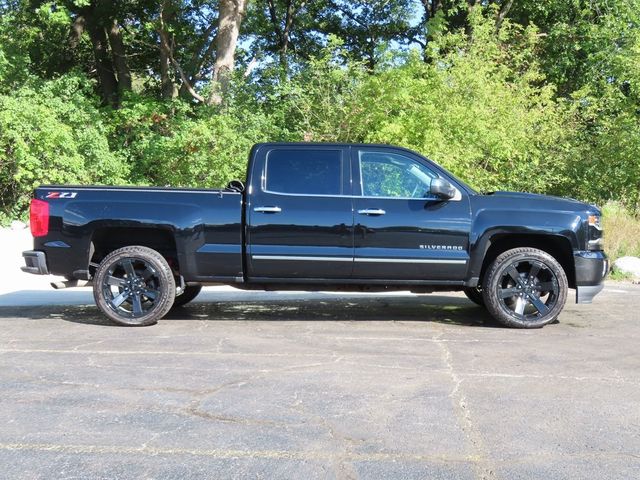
(190, 292)
(134, 286)
(474, 294)
(525, 288)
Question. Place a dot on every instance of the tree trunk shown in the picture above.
(275, 22)
(75, 37)
(77, 29)
(230, 17)
(288, 25)
(119, 57)
(104, 66)
(167, 85)
(283, 34)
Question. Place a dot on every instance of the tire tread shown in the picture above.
(167, 296)
(492, 302)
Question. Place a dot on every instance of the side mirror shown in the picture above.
(442, 189)
(235, 186)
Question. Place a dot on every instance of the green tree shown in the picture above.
(51, 132)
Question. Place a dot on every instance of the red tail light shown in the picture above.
(39, 218)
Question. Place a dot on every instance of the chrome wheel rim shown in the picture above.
(528, 290)
(131, 287)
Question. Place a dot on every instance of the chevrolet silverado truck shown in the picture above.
(342, 217)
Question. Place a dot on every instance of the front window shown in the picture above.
(385, 174)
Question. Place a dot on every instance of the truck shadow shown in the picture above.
(427, 308)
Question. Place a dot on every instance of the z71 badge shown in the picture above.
(61, 194)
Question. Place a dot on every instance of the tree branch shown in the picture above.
(185, 80)
(168, 51)
(274, 20)
(199, 56)
(503, 12)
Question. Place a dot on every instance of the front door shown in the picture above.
(401, 232)
(300, 218)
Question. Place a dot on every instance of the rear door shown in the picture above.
(401, 232)
(299, 213)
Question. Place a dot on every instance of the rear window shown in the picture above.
(306, 171)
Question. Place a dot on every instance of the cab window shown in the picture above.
(304, 171)
(386, 174)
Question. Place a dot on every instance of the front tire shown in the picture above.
(134, 286)
(525, 288)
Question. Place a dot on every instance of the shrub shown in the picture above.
(621, 231)
(51, 133)
(171, 144)
(477, 108)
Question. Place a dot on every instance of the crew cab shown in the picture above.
(347, 217)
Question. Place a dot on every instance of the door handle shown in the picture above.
(267, 209)
(372, 211)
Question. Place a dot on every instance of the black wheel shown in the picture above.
(134, 286)
(189, 293)
(525, 288)
(474, 294)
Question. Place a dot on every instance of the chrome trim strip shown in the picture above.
(124, 188)
(457, 198)
(361, 259)
(409, 260)
(294, 257)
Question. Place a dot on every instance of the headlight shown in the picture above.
(594, 221)
(595, 239)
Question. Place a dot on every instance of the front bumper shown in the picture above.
(591, 270)
(35, 262)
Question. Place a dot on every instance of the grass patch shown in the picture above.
(621, 232)
(621, 236)
(620, 276)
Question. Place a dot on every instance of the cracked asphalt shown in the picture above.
(257, 385)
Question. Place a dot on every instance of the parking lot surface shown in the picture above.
(257, 385)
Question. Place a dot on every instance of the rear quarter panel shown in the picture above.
(205, 224)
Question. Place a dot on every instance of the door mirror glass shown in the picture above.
(442, 189)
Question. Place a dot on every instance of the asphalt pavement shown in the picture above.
(264, 385)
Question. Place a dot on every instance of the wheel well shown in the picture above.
(556, 246)
(106, 240)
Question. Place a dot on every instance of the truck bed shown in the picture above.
(204, 225)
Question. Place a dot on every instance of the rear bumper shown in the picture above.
(591, 270)
(35, 262)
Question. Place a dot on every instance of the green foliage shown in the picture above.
(608, 164)
(479, 108)
(622, 231)
(52, 133)
(35, 38)
(548, 102)
(317, 103)
(169, 144)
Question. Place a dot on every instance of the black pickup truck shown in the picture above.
(346, 217)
